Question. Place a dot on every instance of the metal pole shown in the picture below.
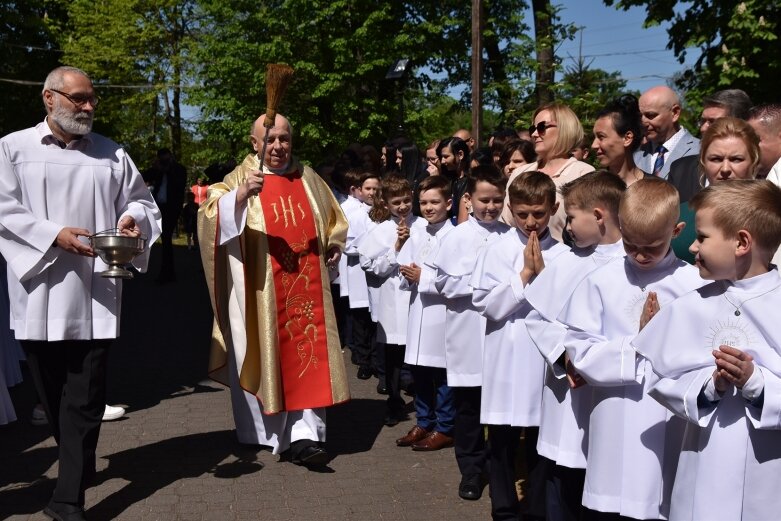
(477, 70)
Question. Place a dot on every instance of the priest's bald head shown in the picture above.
(280, 141)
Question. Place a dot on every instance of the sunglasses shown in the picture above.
(541, 127)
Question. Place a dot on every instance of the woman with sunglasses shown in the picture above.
(618, 132)
(556, 130)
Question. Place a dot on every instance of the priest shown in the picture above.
(268, 234)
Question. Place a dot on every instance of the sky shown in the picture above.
(617, 41)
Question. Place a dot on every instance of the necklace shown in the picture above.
(739, 306)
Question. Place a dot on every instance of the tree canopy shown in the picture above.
(189, 74)
(733, 40)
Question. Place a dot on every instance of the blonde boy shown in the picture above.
(630, 468)
(591, 204)
(513, 371)
(718, 353)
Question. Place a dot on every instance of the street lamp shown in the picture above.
(397, 73)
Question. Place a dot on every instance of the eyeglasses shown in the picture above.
(79, 100)
(541, 127)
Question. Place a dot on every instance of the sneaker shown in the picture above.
(113, 413)
(38, 417)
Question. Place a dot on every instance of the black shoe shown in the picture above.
(470, 487)
(311, 455)
(364, 373)
(307, 452)
(394, 417)
(382, 388)
(64, 511)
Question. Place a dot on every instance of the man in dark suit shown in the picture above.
(685, 172)
(170, 179)
(666, 140)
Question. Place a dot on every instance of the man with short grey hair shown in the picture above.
(59, 184)
(666, 139)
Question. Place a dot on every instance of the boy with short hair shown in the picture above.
(631, 460)
(425, 351)
(512, 369)
(591, 204)
(464, 326)
(717, 351)
(389, 304)
(363, 186)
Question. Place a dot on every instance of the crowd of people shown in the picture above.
(520, 289)
(612, 330)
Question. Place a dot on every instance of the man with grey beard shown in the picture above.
(59, 184)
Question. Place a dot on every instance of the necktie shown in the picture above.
(659, 163)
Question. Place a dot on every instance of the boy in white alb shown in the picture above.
(353, 277)
(513, 370)
(426, 327)
(464, 326)
(389, 304)
(632, 439)
(591, 204)
(717, 351)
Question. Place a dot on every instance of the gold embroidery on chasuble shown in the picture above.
(294, 252)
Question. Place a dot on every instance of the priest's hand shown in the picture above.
(251, 186)
(411, 273)
(650, 309)
(127, 226)
(332, 257)
(733, 366)
(68, 240)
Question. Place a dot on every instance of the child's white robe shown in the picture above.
(358, 223)
(426, 325)
(513, 370)
(349, 205)
(633, 441)
(389, 304)
(730, 463)
(565, 413)
(464, 326)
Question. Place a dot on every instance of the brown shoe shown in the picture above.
(415, 434)
(434, 441)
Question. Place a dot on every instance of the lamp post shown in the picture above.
(397, 73)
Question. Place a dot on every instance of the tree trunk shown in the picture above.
(543, 35)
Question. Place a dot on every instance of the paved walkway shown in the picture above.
(175, 457)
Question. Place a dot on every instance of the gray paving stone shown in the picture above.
(174, 457)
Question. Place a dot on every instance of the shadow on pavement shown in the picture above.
(148, 469)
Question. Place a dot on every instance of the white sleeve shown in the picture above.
(452, 286)
(428, 277)
(549, 339)
(681, 395)
(768, 414)
(136, 201)
(26, 241)
(603, 362)
(233, 217)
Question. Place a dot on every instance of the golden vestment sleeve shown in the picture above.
(250, 269)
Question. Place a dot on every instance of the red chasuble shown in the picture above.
(295, 262)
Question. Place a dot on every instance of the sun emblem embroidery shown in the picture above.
(729, 332)
(634, 308)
